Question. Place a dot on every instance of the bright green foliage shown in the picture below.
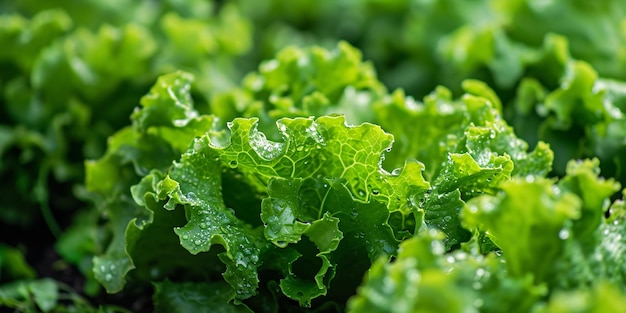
(308, 187)
(542, 262)
(471, 125)
(407, 285)
(423, 279)
(161, 131)
(323, 173)
(571, 108)
(296, 83)
(467, 148)
(70, 78)
(315, 207)
(525, 50)
(565, 221)
(603, 297)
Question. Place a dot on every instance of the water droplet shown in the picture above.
(530, 178)
(312, 132)
(564, 234)
(437, 247)
(108, 277)
(112, 267)
(185, 237)
(232, 164)
(375, 191)
(461, 256)
(197, 242)
(447, 218)
(361, 192)
(191, 197)
(480, 272)
(264, 148)
(300, 148)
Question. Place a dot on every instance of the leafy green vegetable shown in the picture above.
(460, 175)
(317, 172)
(320, 188)
(543, 252)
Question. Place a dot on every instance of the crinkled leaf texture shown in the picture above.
(325, 191)
(301, 82)
(467, 147)
(424, 279)
(152, 143)
(314, 206)
(556, 234)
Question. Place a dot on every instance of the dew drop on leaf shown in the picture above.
(191, 197)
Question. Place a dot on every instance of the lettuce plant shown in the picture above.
(295, 216)
(313, 185)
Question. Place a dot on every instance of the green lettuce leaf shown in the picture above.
(152, 143)
(566, 221)
(324, 147)
(296, 83)
(312, 179)
(424, 279)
